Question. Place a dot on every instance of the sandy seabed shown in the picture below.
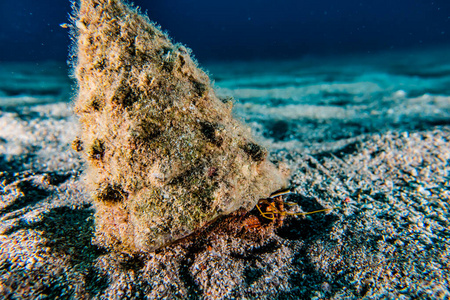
(368, 136)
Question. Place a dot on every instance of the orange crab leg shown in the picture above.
(266, 214)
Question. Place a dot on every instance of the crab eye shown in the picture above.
(281, 193)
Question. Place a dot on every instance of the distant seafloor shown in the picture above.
(368, 135)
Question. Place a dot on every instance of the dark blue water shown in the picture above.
(243, 30)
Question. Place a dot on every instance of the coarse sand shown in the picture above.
(368, 137)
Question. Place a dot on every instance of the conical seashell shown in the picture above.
(165, 155)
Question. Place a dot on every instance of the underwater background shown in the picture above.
(252, 29)
(352, 96)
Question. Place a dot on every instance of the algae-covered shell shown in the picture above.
(165, 156)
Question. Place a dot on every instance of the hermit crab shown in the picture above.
(273, 209)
